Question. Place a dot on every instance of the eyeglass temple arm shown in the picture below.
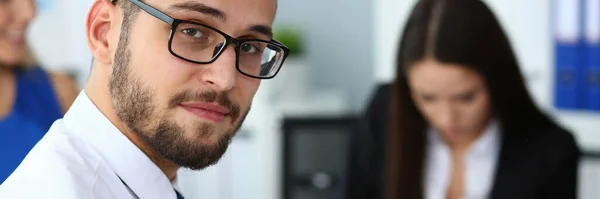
(278, 43)
(162, 16)
(151, 10)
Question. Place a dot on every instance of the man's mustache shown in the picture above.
(209, 97)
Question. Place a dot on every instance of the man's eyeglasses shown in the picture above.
(202, 44)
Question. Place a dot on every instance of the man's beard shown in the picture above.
(135, 106)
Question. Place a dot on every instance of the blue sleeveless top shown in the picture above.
(35, 109)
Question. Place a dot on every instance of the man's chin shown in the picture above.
(201, 157)
(200, 140)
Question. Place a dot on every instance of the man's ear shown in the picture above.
(98, 26)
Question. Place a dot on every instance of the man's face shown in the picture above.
(187, 112)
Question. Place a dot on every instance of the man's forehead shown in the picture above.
(258, 8)
(257, 15)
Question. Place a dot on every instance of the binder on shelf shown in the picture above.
(592, 66)
(568, 53)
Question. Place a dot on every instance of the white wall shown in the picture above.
(339, 37)
(390, 17)
(57, 36)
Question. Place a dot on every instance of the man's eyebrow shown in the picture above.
(201, 8)
(262, 29)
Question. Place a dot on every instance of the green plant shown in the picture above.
(292, 38)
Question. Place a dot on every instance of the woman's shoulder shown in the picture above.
(554, 134)
(554, 140)
(383, 90)
(380, 97)
(61, 84)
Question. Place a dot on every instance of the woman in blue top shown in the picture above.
(30, 99)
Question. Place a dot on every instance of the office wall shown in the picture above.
(57, 36)
(339, 36)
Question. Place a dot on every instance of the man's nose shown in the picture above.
(221, 74)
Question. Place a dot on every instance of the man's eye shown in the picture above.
(193, 32)
(249, 48)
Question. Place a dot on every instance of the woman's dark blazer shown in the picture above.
(540, 162)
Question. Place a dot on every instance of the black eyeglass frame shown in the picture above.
(174, 23)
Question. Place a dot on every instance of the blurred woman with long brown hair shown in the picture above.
(458, 121)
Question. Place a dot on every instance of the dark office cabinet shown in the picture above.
(315, 156)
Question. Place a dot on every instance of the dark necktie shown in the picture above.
(179, 196)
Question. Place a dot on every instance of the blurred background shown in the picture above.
(294, 142)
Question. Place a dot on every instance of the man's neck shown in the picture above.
(167, 167)
(98, 92)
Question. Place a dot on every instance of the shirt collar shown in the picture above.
(144, 178)
(488, 143)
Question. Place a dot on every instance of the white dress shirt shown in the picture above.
(480, 165)
(82, 156)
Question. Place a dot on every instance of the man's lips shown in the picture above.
(211, 112)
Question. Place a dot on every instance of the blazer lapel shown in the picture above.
(516, 170)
